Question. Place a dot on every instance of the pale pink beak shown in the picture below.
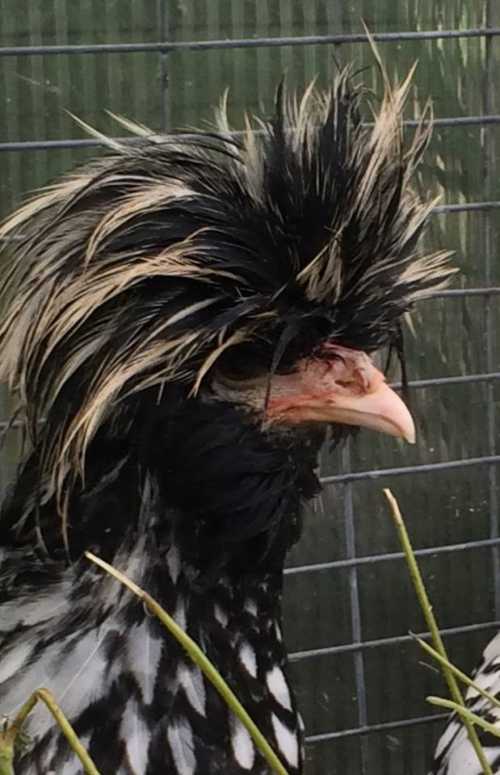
(343, 386)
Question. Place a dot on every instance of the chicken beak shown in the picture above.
(341, 386)
(381, 410)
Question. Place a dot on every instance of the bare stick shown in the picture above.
(9, 735)
(465, 713)
(459, 674)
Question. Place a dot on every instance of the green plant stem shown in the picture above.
(8, 737)
(201, 660)
(430, 619)
(458, 673)
(6, 752)
(464, 713)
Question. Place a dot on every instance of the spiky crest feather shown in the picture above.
(144, 267)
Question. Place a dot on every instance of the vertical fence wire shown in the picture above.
(488, 161)
(355, 606)
(163, 25)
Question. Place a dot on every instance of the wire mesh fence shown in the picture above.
(349, 604)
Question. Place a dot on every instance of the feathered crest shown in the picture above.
(148, 266)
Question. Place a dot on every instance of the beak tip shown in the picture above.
(410, 435)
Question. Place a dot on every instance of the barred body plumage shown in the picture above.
(187, 316)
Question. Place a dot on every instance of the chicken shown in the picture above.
(186, 317)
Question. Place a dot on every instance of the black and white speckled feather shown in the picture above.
(146, 293)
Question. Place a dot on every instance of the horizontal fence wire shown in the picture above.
(365, 645)
(421, 468)
(372, 728)
(166, 47)
(372, 559)
(69, 143)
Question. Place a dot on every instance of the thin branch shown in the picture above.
(9, 735)
(458, 673)
(465, 714)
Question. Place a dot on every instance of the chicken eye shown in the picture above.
(236, 375)
(330, 352)
(334, 357)
(242, 368)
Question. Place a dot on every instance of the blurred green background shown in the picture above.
(452, 336)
